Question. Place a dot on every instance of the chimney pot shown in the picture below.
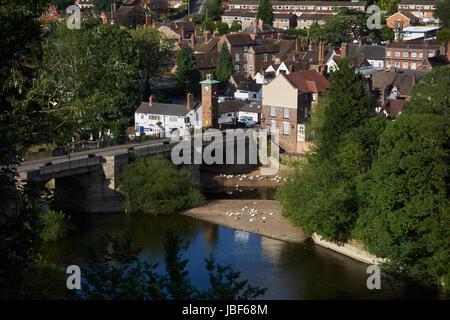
(114, 7)
(151, 99)
(261, 25)
(190, 101)
(207, 36)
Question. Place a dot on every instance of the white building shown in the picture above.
(248, 90)
(161, 119)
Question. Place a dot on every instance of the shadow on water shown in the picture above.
(289, 271)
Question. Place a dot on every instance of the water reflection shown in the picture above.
(289, 271)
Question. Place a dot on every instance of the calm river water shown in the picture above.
(289, 271)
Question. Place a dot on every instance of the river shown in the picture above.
(288, 271)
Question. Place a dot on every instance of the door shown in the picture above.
(300, 132)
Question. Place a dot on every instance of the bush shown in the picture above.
(55, 225)
(156, 186)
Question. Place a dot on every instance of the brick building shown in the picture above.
(85, 4)
(423, 9)
(412, 55)
(405, 17)
(305, 20)
(297, 7)
(238, 44)
(286, 104)
(246, 18)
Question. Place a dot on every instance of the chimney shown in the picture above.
(216, 34)
(388, 42)
(207, 36)
(148, 20)
(192, 40)
(190, 101)
(253, 22)
(360, 43)
(343, 50)
(196, 32)
(279, 36)
(312, 45)
(321, 51)
(191, 19)
(183, 34)
(413, 78)
(114, 7)
(297, 45)
(261, 25)
(151, 99)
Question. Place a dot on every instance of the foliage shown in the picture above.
(347, 23)
(55, 225)
(105, 5)
(295, 33)
(62, 4)
(222, 27)
(442, 12)
(154, 49)
(265, 12)
(214, 10)
(235, 27)
(156, 186)
(406, 217)
(224, 67)
(119, 273)
(197, 18)
(131, 20)
(89, 78)
(391, 6)
(209, 25)
(187, 74)
(443, 36)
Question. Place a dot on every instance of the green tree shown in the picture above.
(265, 12)
(222, 27)
(89, 78)
(315, 31)
(224, 67)
(156, 186)
(442, 12)
(235, 27)
(406, 217)
(154, 49)
(187, 74)
(443, 36)
(209, 25)
(214, 10)
(131, 20)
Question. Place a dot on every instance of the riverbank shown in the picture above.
(261, 217)
(250, 179)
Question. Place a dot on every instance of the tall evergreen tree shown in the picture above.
(224, 67)
(265, 11)
(187, 74)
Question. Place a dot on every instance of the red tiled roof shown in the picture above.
(308, 81)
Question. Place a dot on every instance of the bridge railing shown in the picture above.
(70, 165)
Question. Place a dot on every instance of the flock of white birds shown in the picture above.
(251, 213)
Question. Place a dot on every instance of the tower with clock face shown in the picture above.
(209, 101)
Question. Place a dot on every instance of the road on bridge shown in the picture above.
(107, 151)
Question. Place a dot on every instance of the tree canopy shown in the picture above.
(187, 74)
(224, 67)
(265, 12)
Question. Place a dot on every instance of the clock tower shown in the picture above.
(209, 102)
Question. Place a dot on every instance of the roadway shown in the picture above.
(107, 151)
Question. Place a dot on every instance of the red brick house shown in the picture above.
(286, 104)
(423, 9)
(406, 18)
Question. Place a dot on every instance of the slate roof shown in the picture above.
(158, 5)
(432, 2)
(407, 14)
(207, 60)
(366, 51)
(206, 47)
(167, 109)
(402, 80)
(240, 39)
(251, 107)
(249, 86)
(308, 81)
(393, 107)
(266, 48)
(257, 29)
(328, 3)
(229, 106)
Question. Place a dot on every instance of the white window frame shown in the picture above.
(272, 111)
(286, 113)
(286, 128)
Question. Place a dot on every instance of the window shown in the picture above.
(405, 65)
(388, 53)
(420, 54)
(405, 54)
(397, 53)
(245, 68)
(173, 119)
(413, 65)
(236, 67)
(397, 64)
(314, 96)
(273, 57)
(153, 117)
(286, 113)
(272, 111)
(245, 48)
(250, 57)
(272, 125)
(265, 57)
(413, 54)
(286, 127)
(142, 117)
(236, 57)
(245, 56)
(250, 67)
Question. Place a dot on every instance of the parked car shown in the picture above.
(248, 122)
